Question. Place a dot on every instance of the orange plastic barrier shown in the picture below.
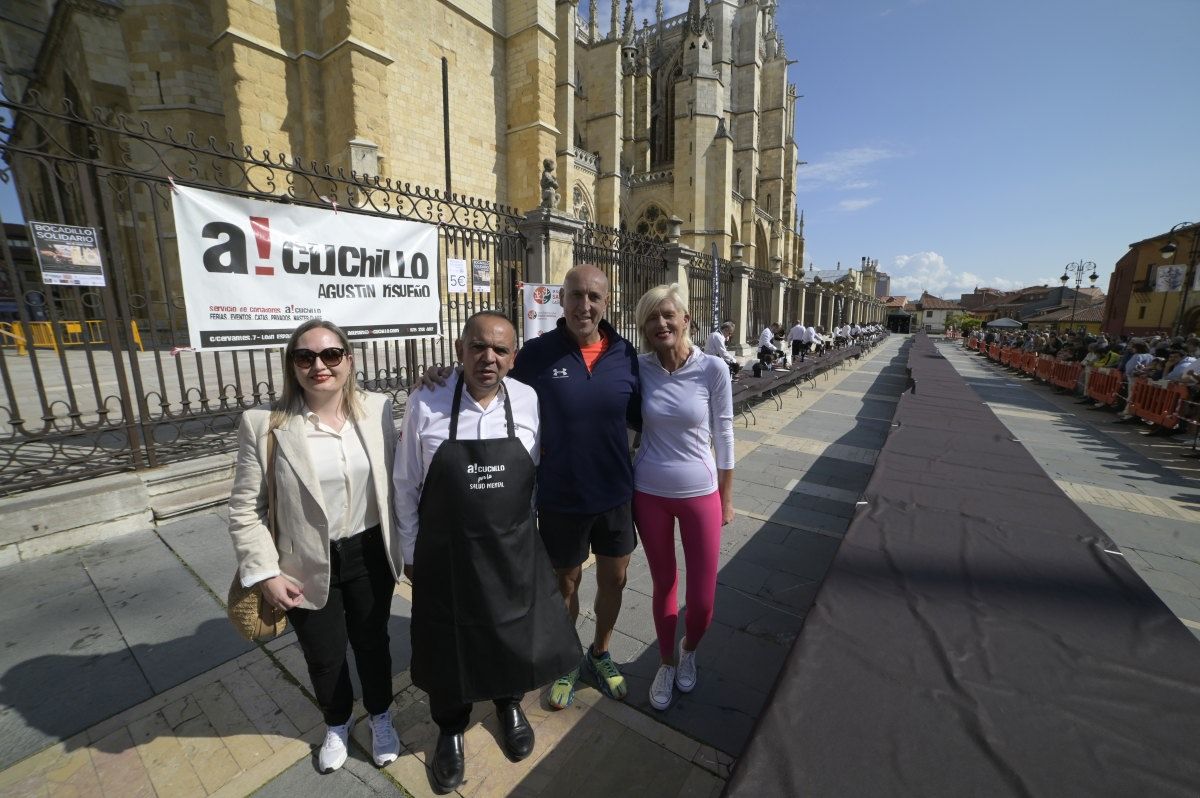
(1158, 404)
(972, 343)
(1066, 375)
(1104, 385)
(1029, 362)
(1010, 356)
(1045, 365)
(993, 352)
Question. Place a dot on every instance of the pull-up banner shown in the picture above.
(253, 270)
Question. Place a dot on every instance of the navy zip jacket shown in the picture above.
(585, 466)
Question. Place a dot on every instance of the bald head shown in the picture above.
(586, 274)
(486, 318)
(584, 301)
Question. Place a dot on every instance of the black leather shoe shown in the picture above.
(516, 731)
(448, 762)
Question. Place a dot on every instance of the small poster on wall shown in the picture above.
(456, 276)
(543, 308)
(481, 276)
(68, 255)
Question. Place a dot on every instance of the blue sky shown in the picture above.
(990, 142)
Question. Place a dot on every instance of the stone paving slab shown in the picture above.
(152, 598)
(225, 732)
(1132, 488)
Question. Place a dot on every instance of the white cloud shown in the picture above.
(857, 185)
(842, 168)
(928, 271)
(857, 204)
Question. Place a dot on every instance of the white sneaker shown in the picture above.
(385, 745)
(333, 751)
(663, 689)
(685, 672)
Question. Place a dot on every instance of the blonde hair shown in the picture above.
(291, 397)
(651, 300)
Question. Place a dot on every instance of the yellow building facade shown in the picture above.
(1137, 277)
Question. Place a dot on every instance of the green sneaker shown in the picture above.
(562, 692)
(610, 680)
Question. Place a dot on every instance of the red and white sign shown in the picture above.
(542, 308)
(252, 271)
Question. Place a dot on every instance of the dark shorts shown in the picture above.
(567, 536)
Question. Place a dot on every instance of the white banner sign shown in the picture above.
(542, 308)
(252, 271)
(456, 275)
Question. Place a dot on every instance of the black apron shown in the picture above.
(487, 618)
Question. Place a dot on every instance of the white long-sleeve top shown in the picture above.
(717, 348)
(767, 338)
(797, 333)
(427, 426)
(685, 414)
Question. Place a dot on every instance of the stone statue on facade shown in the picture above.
(549, 185)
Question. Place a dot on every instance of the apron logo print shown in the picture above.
(483, 476)
(558, 374)
(476, 468)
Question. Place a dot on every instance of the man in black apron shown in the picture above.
(487, 619)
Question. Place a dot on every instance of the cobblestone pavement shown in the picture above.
(120, 676)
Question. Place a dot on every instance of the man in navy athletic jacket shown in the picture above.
(585, 376)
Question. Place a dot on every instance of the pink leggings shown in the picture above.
(700, 530)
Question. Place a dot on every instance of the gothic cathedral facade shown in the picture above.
(690, 116)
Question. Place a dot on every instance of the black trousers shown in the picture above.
(359, 605)
(797, 350)
(452, 717)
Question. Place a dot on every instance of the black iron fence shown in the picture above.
(97, 380)
(791, 303)
(700, 294)
(633, 264)
(758, 303)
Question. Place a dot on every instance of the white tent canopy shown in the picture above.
(1005, 323)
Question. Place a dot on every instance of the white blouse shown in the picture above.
(344, 472)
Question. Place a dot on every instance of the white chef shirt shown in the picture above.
(427, 426)
(767, 339)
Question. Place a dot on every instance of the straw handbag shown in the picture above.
(252, 617)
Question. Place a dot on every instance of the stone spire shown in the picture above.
(616, 14)
(696, 21)
(627, 31)
(591, 21)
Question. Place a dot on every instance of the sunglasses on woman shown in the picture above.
(304, 358)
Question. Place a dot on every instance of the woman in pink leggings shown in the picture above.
(687, 409)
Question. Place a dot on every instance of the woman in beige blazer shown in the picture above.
(334, 566)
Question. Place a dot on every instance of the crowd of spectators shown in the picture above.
(1159, 358)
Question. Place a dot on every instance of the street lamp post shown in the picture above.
(1078, 268)
(1168, 250)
